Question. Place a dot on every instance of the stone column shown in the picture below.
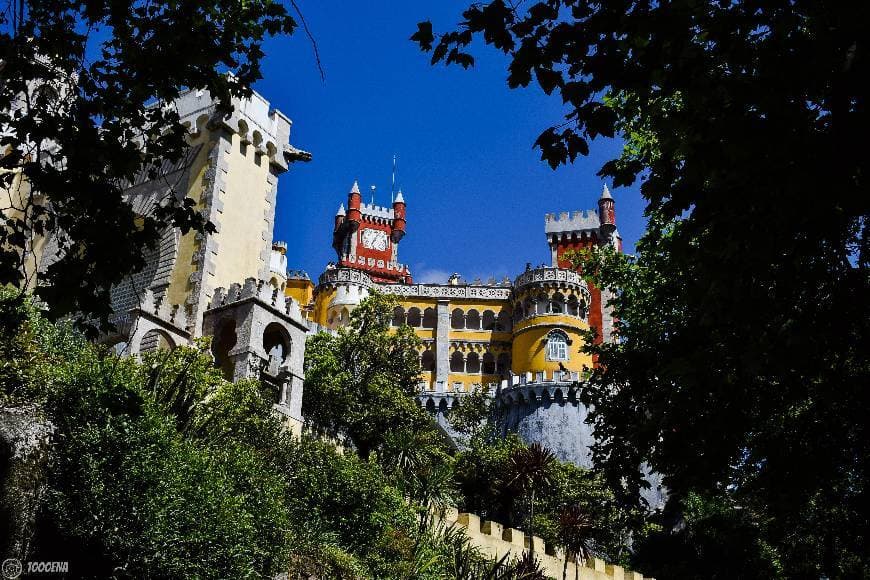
(442, 342)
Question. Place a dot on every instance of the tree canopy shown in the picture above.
(76, 81)
(360, 382)
(740, 368)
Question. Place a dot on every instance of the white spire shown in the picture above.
(340, 210)
(605, 194)
(399, 197)
(355, 188)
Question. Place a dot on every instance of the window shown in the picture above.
(557, 346)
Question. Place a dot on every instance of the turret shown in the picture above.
(398, 218)
(354, 203)
(606, 213)
(339, 217)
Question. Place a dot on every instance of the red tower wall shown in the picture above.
(575, 242)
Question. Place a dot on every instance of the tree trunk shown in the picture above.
(24, 457)
(532, 530)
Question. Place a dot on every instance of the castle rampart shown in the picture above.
(494, 540)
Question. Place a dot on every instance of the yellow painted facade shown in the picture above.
(179, 283)
(299, 289)
(245, 199)
(530, 344)
(474, 336)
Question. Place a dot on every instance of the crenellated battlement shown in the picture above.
(377, 211)
(266, 129)
(574, 222)
(495, 541)
(259, 290)
(173, 314)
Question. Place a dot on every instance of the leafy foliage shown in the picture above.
(360, 382)
(81, 106)
(741, 364)
(713, 535)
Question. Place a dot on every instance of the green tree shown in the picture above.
(77, 77)
(575, 535)
(529, 470)
(741, 363)
(360, 382)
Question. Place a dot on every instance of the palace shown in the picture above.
(520, 340)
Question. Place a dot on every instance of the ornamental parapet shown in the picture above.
(443, 395)
(474, 292)
(262, 292)
(541, 386)
(547, 276)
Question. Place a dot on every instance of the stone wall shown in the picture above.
(495, 540)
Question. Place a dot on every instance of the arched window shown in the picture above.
(472, 320)
(427, 361)
(528, 308)
(414, 317)
(398, 316)
(488, 364)
(430, 318)
(573, 307)
(457, 319)
(504, 363)
(472, 363)
(503, 322)
(557, 345)
(457, 363)
(541, 305)
(488, 320)
(224, 340)
(557, 304)
(276, 342)
(156, 340)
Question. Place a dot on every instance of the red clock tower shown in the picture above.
(366, 237)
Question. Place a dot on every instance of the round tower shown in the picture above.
(551, 307)
(539, 401)
(354, 203)
(398, 218)
(340, 216)
(606, 213)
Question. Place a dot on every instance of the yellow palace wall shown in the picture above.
(519, 347)
(529, 348)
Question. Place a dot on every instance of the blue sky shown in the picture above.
(476, 190)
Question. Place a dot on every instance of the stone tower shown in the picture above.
(227, 285)
(231, 171)
(584, 230)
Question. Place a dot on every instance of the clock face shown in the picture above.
(374, 239)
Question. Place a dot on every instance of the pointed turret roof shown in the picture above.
(355, 188)
(605, 193)
(399, 198)
(340, 211)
